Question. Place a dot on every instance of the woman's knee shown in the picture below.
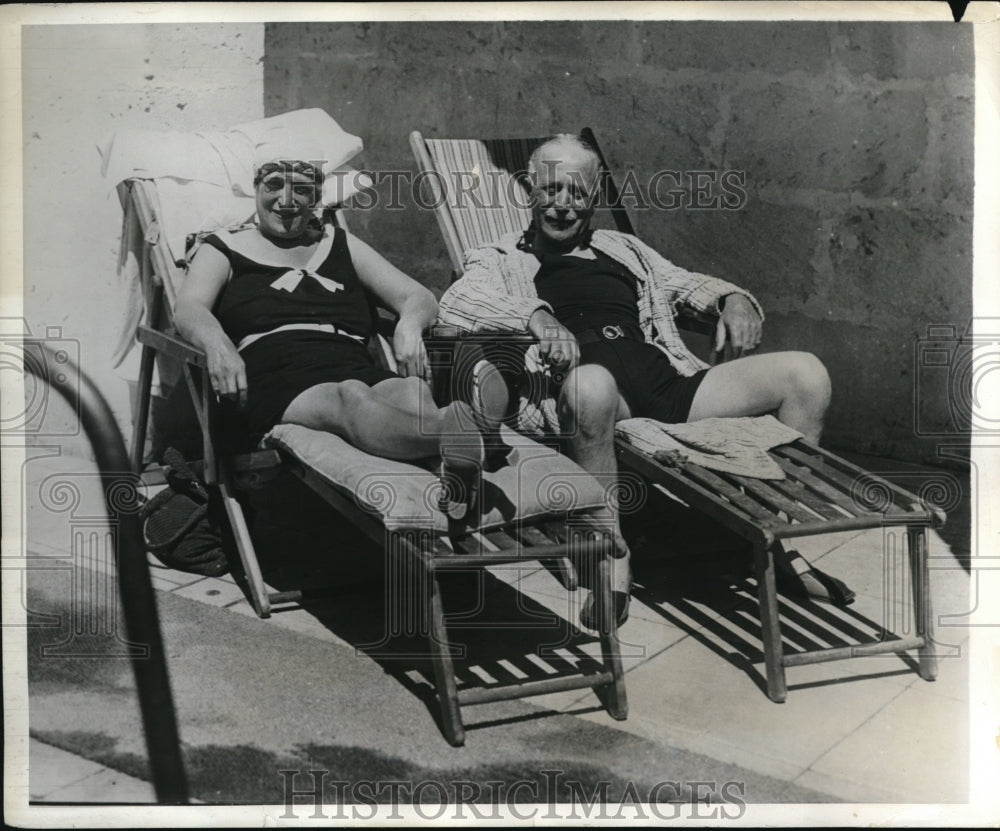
(349, 395)
(326, 406)
(346, 404)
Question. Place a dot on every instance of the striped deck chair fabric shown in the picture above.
(484, 183)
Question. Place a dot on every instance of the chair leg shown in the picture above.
(444, 668)
(140, 420)
(610, 647)
(769, 623)
(248, 556)
(922, 611)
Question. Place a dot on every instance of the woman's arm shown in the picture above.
(194, 320)
(415, 305)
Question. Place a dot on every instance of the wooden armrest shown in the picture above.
(171, 345)
(701, 323)
(444, 334)
(443, 345)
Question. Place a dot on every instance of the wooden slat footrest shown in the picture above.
(836, 653)
(482, 695)
(536, 552)
(805, 529)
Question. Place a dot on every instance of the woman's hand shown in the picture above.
(227, 372)
(408, 348)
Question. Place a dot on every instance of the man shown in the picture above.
(601, 305)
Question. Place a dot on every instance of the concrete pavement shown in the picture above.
(861, 730)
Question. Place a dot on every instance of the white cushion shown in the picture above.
(536, 481)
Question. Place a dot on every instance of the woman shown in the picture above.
(281, 310)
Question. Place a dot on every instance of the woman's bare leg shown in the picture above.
(397, 418)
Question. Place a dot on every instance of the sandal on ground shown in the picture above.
(809, 581)
(588, 613)
(620, 602)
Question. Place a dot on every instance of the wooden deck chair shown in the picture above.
(529, 517)
(821, 493)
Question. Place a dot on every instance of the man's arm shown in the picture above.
(482, 299)
(740, 315)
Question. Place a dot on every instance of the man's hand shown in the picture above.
(556, 345)
(740, 322)
(227, 372)
(408, 349)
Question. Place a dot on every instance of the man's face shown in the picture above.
(564, 181)
(285, 201)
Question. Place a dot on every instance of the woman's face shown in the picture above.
(285, 201)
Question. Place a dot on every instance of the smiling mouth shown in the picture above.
(560, 223)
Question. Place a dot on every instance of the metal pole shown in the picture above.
(135, 586)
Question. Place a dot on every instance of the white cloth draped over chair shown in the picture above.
(204, 181)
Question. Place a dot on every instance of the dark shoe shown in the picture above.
(462, 458)
(461, 479)
(588, 614)
(497, 451)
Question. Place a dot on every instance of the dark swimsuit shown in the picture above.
(597, 300)
(280, 366)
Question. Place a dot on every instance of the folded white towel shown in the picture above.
(730, 445)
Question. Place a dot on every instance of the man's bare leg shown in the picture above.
(588, 408)
(793, 385)
(796, 388)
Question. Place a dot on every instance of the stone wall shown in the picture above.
(81, 84)
(855, 140)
